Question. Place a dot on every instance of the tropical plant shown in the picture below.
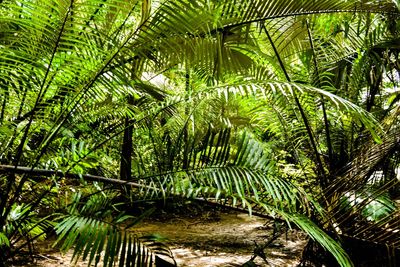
(98, 231)
(358, 63)
(165, 77)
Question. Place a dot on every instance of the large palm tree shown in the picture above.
(79, 70)
(352, 56)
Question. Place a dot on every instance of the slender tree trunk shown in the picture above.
(127, 143)
(185, 130)
(127, 148)
(3, 106)
(320, 167)
(318, 83)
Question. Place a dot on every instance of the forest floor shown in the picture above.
(223, 238)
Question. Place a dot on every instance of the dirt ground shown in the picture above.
(225, 239)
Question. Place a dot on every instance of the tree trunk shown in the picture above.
(127, 148)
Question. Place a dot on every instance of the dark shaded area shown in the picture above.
(362, 253)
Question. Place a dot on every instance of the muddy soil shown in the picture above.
(225, 239)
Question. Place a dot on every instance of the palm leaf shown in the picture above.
(94, 237)
(242, 177)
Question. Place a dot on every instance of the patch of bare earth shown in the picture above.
(227, 239)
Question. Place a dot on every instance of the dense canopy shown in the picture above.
(283, 108)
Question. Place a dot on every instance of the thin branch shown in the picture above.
(96, 178)
(303, 114)
(326, 121)
(49, 173)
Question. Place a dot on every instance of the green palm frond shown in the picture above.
(360, 206)
(271, 89)
(240, 174)
(321, 237)
(277, 94)
(253, 11)
(24, 226)
(74, 25)
(347, 39)
(98, 236)
(4, 240)
(367, 161)
(98, 241)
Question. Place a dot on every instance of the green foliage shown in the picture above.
(4, 240)
(269, 105)
(97, 235)
(24, 226)
(372, 209)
